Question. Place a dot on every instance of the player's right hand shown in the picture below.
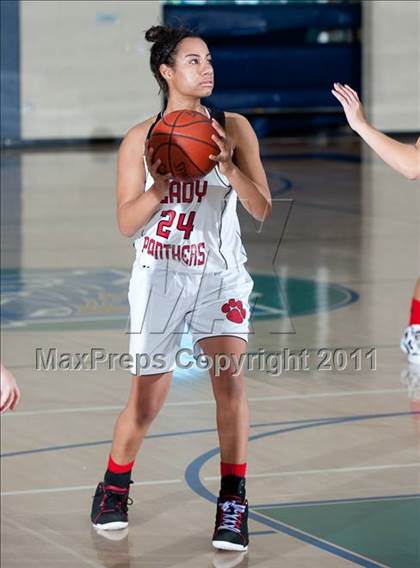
(161, 180)
(351, 104)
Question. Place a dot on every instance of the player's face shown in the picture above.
(193, 71)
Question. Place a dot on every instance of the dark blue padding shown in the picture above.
(295, 67)
(221, 20)
(9, 77)
(267, 57)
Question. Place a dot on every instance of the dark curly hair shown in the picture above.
(165, 40)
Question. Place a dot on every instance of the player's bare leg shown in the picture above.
(417, 290)
(147, 395)
(111, 499)
(232, 410)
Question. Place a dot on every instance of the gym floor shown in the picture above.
(334, 448)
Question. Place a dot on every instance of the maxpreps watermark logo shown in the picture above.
(97, 299)
(273, 363)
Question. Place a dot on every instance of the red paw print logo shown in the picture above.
(234, 310)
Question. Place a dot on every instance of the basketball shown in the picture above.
(182, 141)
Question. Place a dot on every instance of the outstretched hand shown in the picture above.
(351, 104)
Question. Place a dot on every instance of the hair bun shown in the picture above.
(159, 33)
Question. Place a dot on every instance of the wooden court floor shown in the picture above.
(334, 465)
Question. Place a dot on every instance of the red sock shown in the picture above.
(238, 469)
(415, 312)
(116, 468)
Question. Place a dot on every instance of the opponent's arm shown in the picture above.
(9, 390)
(404, 158)
(134, 205)
(239, 160)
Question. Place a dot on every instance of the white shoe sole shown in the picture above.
(114, 536)
(223, 545)
(117, 525)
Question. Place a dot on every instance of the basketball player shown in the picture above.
(10, 393)
(405, 159)
(199, 279)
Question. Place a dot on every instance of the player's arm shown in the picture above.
(134, 205)
(239, 160)
(404, 158)
(9, 390)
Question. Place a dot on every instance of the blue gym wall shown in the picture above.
(9, 78)
(274, 63)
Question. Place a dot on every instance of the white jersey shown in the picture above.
(196, 228)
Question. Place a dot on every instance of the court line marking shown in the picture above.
(19, 528)
(277, 526)
(319, 542)
(260, 533)
(333, 501)
(217, 478)
(151, 436)
(180, 433)
(308, 422)
(205, 402)
(83, 488)
(192, 477)
(331, 470)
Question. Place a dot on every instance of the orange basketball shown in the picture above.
(182, 141)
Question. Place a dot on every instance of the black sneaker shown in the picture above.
(231, 527)
(110, 506)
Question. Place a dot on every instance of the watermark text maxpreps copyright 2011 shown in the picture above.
(273, 363)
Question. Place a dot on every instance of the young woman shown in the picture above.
(405, 159)
(195, 277)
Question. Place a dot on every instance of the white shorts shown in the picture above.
(164, 305)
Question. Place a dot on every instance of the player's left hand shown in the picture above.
(351, 104)
(224, 159)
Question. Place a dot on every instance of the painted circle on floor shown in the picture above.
(97, 298)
